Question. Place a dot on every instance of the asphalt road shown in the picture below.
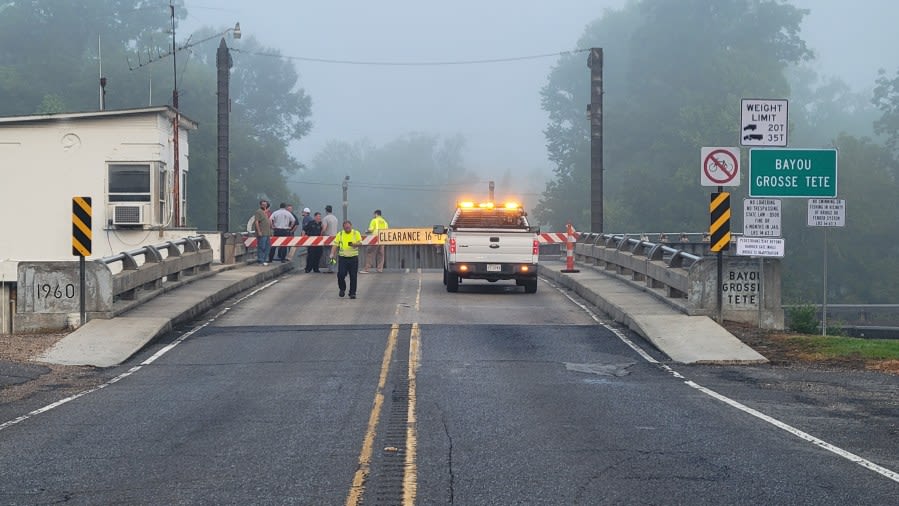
(488, 396)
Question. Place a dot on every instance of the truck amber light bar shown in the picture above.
(466, 205)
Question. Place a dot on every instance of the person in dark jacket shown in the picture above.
(313, 253)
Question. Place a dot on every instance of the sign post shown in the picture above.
(719, 237)
(826, 213)
(81, 243)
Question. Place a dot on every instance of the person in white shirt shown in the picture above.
(330, 227)
(282, 222)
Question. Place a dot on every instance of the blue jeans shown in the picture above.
(263, 245)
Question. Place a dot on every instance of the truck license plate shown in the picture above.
(494, 267)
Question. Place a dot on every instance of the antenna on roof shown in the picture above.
(102, 79)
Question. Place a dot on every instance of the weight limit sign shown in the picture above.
(720, 167)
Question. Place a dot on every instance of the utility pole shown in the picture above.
(346, 202)
(176, 125)
(594, 115)
(223, 64)
(490, 187)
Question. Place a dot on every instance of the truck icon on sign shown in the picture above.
(751, 126)
(753, 137)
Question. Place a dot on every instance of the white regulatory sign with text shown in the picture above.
(760, 247)
(761, 218)
(826, 212)
(763, 122)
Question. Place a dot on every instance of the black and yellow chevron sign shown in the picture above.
(81, 226)
(719, 229)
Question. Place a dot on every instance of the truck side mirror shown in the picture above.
(439, 229)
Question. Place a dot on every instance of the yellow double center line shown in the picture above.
(410, 471)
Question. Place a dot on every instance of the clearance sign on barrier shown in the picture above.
(399, 237)
(408, 236)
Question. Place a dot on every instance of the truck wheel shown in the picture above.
(452, 282)
(530, 286)
(445, 275)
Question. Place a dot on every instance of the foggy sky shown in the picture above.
(495, 106)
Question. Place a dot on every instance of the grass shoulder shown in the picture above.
(793, 348)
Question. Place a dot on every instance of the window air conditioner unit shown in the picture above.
(130, 214)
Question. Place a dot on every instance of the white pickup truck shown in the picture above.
(485, 241)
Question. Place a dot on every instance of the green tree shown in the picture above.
(674, 74)
(862, 265)
(886, 98)
(59, 69)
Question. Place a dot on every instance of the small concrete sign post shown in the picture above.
(763, 122)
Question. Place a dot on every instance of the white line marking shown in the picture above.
(136, 368)
(867, 464)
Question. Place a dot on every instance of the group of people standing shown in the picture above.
(284, 223)
(344, 249)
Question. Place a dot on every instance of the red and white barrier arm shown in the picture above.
(557, 237)
(307, 240)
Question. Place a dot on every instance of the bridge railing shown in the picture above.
(679, 273)
(152, 266)
(47, 292)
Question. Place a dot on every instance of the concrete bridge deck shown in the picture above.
(685, 339)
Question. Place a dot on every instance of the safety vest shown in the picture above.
(377, 223)
(343, 240)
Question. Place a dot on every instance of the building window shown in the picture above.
(129, 182)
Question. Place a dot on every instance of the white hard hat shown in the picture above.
(306, 210)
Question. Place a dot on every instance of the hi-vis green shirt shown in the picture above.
(377, 223)
(342, 240)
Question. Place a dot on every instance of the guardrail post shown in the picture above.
(152, 256)
(128, 264)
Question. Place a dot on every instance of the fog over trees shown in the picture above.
(415, 139)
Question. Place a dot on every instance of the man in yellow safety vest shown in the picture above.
(373, 253)
(345, 249)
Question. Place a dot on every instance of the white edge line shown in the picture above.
(136, 368)
(867, 464)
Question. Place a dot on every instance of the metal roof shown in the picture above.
(168, 111)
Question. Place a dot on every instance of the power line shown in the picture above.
(412, 64)
(439, 188)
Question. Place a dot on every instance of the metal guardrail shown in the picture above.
(654, 264)
(682, 274)
(161, 263)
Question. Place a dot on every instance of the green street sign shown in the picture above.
(797, 173)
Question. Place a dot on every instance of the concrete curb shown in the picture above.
(107, 343)
(684, 338)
